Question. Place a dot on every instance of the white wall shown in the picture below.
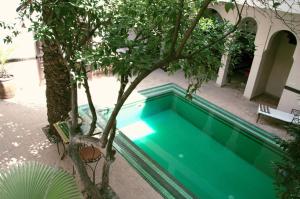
(258, 80)
(23, 45)
(265, 68)
(288, 98)
(282, 63)
(26, 72)
(288, 101)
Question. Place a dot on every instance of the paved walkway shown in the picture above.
(22, 118)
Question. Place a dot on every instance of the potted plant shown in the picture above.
(7, 83)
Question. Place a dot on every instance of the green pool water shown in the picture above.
(204, 152)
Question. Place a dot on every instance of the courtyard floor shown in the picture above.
(22, 118)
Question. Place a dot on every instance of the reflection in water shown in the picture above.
(137, 130)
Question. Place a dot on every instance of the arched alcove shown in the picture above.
(241, 59)
(218, 21)
(212, 13)
(275, 66)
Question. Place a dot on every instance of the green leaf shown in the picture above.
(276, 4)
(34, 180)
(229, 6)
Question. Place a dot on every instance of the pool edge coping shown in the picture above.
(257, 132)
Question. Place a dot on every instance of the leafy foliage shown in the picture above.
(229, 6)
(288, 171)
(71, 24)
(11, 31)
(5, 52)
(242, 44)
(137, 38)
(35, 181)
(8, 32)
(128, 37)
(131, 39)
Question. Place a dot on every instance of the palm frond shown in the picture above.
(36, 181)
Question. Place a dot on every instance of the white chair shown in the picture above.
(265, 110)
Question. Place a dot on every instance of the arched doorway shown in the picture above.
(275, 66)
(218, 22)
(213, 14)
(242, 56)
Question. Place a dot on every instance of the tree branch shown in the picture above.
(89, 186)
(110, 157)
(89, 36)
(126, 94)
(177, 26)
(87, 140)
(90, 102)
(234, 28)
(74, 106)
(192, 27)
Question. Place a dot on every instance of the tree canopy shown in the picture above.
(131, 39)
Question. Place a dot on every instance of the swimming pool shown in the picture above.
(194, 149)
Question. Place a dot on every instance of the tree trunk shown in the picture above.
(110, 152)
(57, 84)
(90, 102)
(110, 157)
(57, 78)
(122, 98)
(89, 186)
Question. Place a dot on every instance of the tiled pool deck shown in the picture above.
(22, 118)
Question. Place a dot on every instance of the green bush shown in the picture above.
(288, 171)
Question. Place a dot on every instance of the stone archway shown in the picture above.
(241, 60)
(236, 66)
(212, 13)
(275, 66)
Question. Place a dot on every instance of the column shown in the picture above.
(290, 96)
(261, 40)
(223, 70)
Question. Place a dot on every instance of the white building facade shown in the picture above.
(275, 68)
